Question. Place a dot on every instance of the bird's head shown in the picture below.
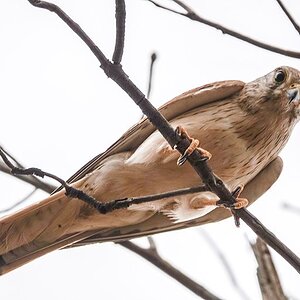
(278, 92)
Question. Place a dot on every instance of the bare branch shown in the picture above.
(120, 31)
(154, 258)
(287, 13)
(19, 165)
(215, 185)
(46, 187)
(101, 207)
(70, 191)
(225, 263)
(266, 273)
(191, 14)
(173, 272)
(153, 59)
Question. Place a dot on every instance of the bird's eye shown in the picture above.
(280, 76)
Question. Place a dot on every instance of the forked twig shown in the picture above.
(116, 72)
(46, 187)
(102, 207)
(191, 14)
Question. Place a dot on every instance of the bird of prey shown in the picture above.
(243, 126)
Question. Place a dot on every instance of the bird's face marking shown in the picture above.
(278, 92)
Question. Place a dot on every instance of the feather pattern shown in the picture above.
(244, 126)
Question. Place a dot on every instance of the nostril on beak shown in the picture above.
(293, 94)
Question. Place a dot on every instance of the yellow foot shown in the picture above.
(194, 143)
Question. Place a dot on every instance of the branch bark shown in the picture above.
(266, 273)
(289, 16)
(191, 14)
(116, 73)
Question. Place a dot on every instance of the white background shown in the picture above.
(58, 110)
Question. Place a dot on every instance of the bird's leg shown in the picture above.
(239, 202)
(194, 143)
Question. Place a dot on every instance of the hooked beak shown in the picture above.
(293, 95)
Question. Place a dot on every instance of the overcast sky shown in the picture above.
(58, 110)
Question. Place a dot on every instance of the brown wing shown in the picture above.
(138, 133)
(159, 223)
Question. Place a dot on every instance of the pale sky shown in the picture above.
(58, 110)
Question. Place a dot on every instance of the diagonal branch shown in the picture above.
(225, 263)
(116, 73)
(105, 207)
(151, 254)
(191, 14)
(266, 272)
(153, 257)
(120, 31)
(287, 13)
(46, 187)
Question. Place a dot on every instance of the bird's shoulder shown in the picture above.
(179, 105)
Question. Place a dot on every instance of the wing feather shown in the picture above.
(138, 133)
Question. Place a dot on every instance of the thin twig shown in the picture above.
(102, 207)
(70, 191)
(191, 14)
(19, 165)
(171, 271)
(116, 73)
(266, 235)
(157, 260)
(120, 31)
(46, 187)
(153, 59)
(225, 263)
(287, 13)
(268, 279)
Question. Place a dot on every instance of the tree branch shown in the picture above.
(46, 187)
(191, 14)
(151, 254)
(102, 207)
(225, 263)
(120, 31)
(266, 273)
(170, 270)
(116, 73)
(287, 13)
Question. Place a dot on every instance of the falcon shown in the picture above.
(241, 126)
